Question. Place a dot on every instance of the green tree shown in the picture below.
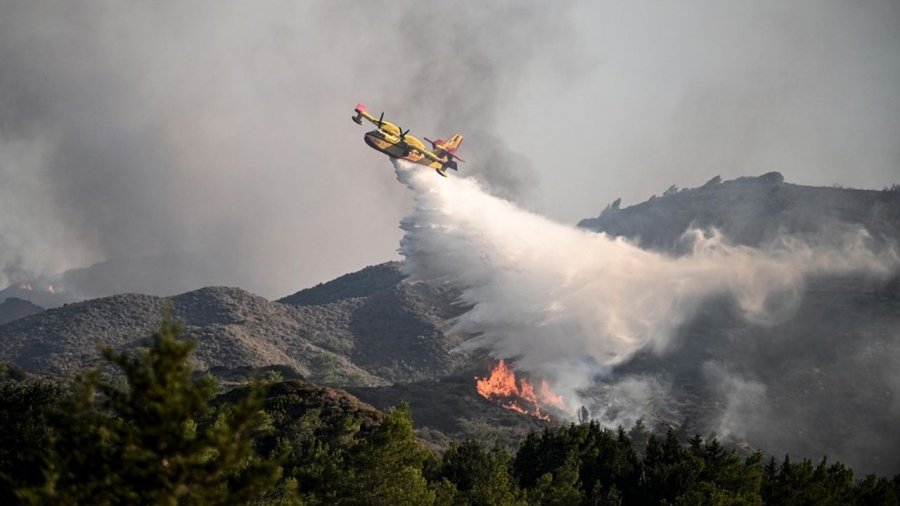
(480, 477)
(559, 488)
(802, 483)
(668, 470)
(386, 468)
(154, 438)
(24, 432)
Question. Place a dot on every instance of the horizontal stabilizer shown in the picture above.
(448, 147)
(360, 110)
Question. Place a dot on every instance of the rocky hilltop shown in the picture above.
(369, 281)
(751, 211)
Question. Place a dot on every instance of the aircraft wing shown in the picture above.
(445, 163)
(427, 154)
(439, 144)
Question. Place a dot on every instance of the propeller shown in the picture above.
(403, 133)
(380, 118)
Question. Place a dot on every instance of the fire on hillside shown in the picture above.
(503, 387)
(28, 287)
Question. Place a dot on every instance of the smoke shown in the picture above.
(29, 224)
(688, 90)
(744, 400)
(222, 128)
(569, 304)
(633, 398)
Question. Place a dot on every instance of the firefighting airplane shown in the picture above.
(394, 142)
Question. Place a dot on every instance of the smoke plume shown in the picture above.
(569, 304)
(222, 129)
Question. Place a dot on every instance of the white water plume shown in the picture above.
(568, 303)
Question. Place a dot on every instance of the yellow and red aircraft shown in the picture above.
(394, 142)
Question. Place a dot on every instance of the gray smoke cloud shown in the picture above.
(628, 399)
(569, 304)
(744, 400)
(684, 91)
(222, 128)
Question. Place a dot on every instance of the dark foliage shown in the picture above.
(161, 435)
(24, 431)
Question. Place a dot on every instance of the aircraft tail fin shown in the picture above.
(452, 144)
(448, 147)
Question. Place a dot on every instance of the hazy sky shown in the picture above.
(224, 128)
(682, 91)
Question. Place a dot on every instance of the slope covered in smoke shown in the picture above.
(558, 298)
(581, 308)
(35, 292)
(821, 383)
(161, 275)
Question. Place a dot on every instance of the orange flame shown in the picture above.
(25, 286)
(518, 395)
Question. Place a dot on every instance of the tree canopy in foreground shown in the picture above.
(159, 433)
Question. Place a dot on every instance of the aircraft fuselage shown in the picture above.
(392, 146)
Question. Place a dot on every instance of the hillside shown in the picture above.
(393, 334)
(37, 293)
(368, 281)
(14, 308)
(450, 408)
(289, 401)
(821, 382)
(233, 328)
(395, 330)
(751, 211)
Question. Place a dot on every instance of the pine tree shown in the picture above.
(480, 477)
(386, 468)
(24, 431)
(154, 439)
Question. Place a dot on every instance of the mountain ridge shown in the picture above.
(753, 212)
(386, 339)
